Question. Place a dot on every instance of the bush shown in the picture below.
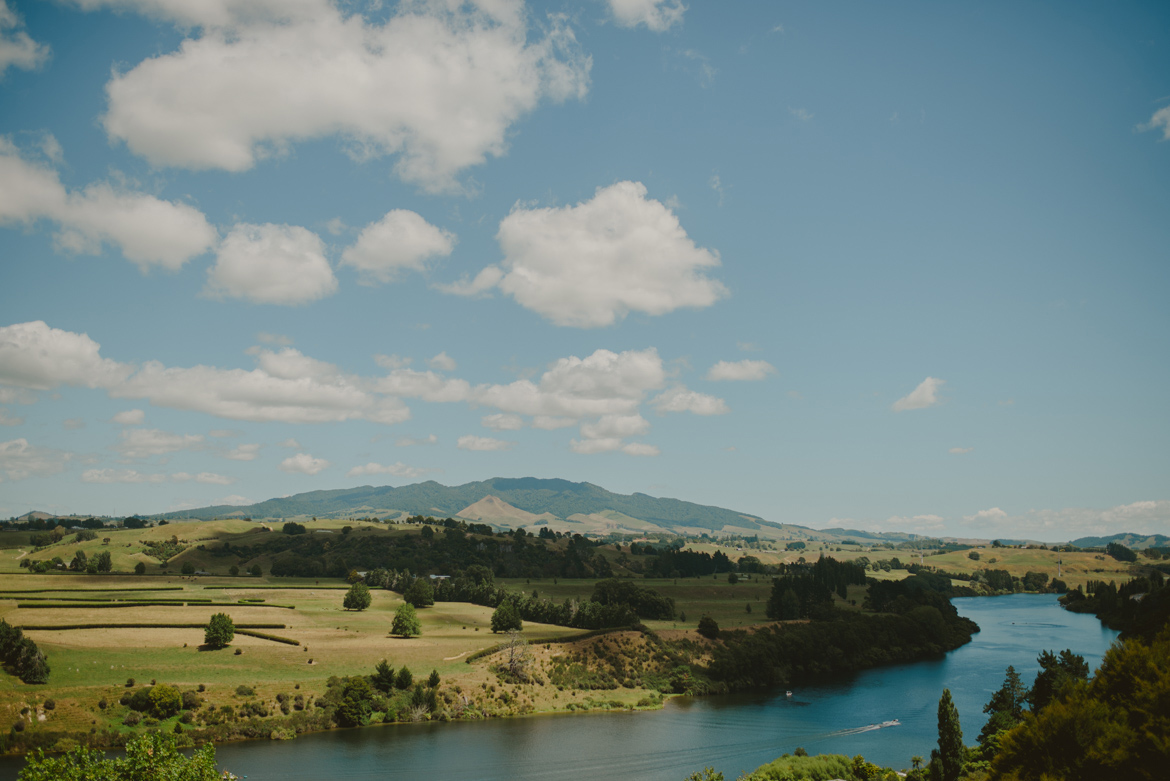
(420, 593)
(708, 628)
(506, 618)
(244, 691)
(220, 631)
(132, 719)
(140, 568)
(188, 568)
(50, 704)
(165, 701)
(256, 571)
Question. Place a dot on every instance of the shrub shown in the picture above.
(244, 691)
(506, 618)
(256, 571)
(188, 568)
(239, 651)
(165, 701)
(132, 719)
(50, 704)
(708, 628)
(191, 701)
(129, 682)
(103, 704)
(18, 726)
(140, 568)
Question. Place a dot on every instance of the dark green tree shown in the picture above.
(708, 628)
(356, 703)
(256, 571)
(357, 598)
(420, 593)
(506, 618)
(220, 631)
(140, 568)
(404, 679)
(950, 738)
(188, 568)
(1056, 672)
(433, 680)
(1005, 709)
(383, 678)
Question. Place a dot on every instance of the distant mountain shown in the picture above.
(510, 502)
(1130, 540)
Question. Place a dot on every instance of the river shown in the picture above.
(733, 733)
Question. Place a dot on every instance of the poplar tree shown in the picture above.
(950, 738)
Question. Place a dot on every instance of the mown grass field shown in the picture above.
(1075, 569)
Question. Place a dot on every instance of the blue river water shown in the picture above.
(733, 733)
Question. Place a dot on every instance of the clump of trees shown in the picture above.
(506, 618)
(152, 755)
(20, 655)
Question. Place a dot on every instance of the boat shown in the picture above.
(894, 723)
(788, 694)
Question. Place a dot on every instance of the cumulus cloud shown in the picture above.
(8, 420)
(130, 417)
(120, 476)
(656, 15)
(472, 442)
(19, 459)
(279, 340)
(502, 421)
(271, 264)
(439, 84)
(397, 469)
(589, 265)
(958, 451)
(640, 449)
(680, 399)
(1144, 517)
(304, 464)
(246, 452)
(429, 439)
(149, 232)
(483, 283)
(211, 478)
(442, 362)
(917, 524)
(925, 395)
(291, 443)
(73, 424)
(619, 426)
(148, 442)
(740, 370)
(400, 241)
(17, 49)
(37, 357)
(1160, 119)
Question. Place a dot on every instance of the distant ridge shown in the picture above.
(519, 498)
(1128, 539)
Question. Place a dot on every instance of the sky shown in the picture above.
(887, 266)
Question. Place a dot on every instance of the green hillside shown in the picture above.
(1128, 539)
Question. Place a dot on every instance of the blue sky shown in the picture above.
(895, 267)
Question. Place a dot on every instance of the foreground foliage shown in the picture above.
(152, 757)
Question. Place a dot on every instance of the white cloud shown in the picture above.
(958, 451)
(740, 370)
(73, 424)
(7, 420)
(303, 463)
(120, 476)
(657, 15)
(1160, 119)
(589, 265)
(619, 426)
(400, 241)
(211, 478)
(130, 417)
(17, 49)
(245, 452)
(918, 524)
(802, 114)
(234, 499)
(19, 459)
(35, 356)
(589, 447)
(291, 443)
(471, 442)
(551, 423)
(437, 83)
(224, 433)
(986, 516)
(502, 421)
(429, 439)
(680, 399)
(442, 362)
(487, 279)
(147, 442)
(925, 395)
(271, 264)
(397, 469)
(640, 449)
(149, 232)
(279, 340)
(1145, 517)
(391, 361)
